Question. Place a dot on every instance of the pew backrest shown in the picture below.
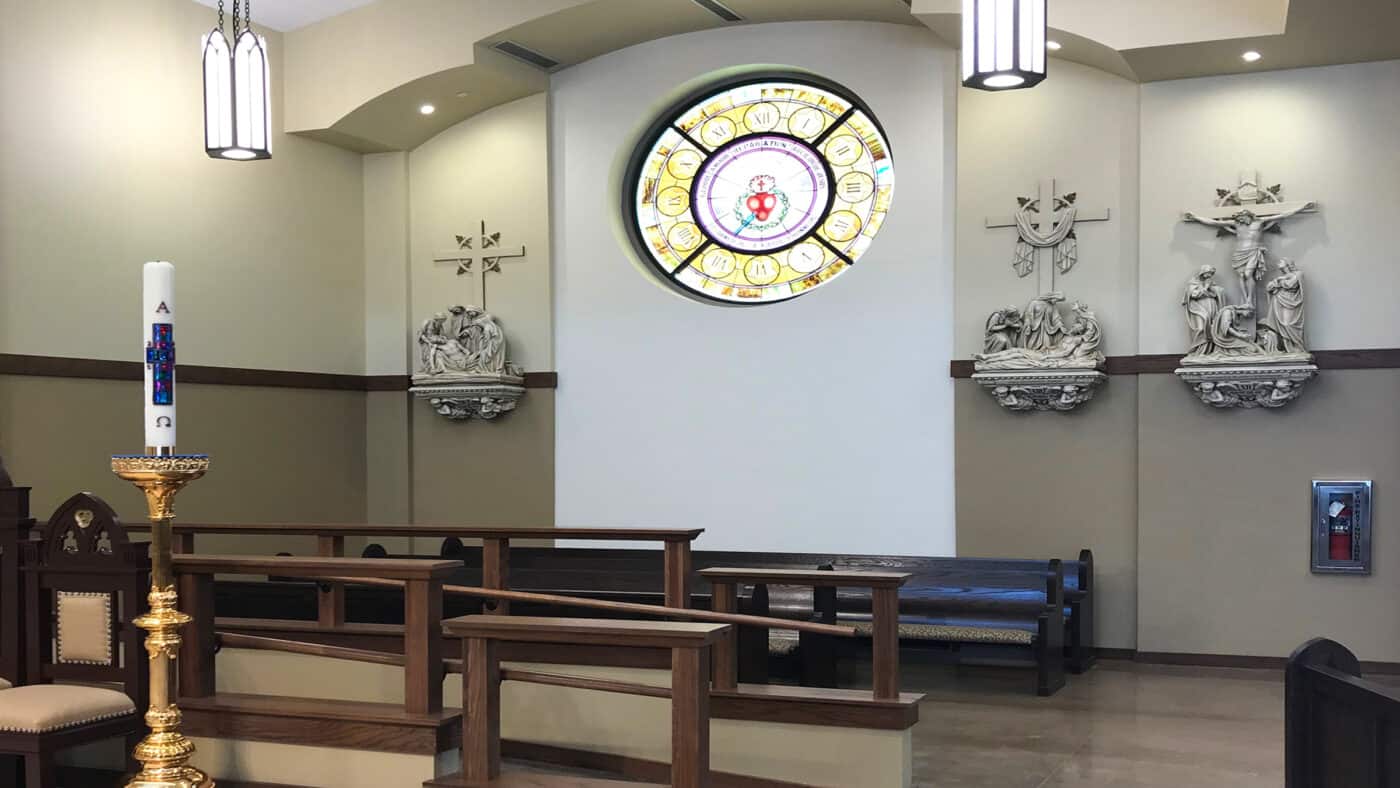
(1340, 730)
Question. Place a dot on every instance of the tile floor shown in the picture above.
(1121, 725)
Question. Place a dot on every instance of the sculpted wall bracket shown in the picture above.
(465, 373)
(1242, 356)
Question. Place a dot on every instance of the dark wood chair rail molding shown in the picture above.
(408, 529)
(1167, 363)
(105, 369)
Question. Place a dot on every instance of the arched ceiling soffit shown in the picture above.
(357, 80)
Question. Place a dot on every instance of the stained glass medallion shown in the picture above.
(759, 189)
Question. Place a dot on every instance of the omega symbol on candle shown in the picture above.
(163, 421)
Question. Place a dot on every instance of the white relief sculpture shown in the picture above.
(1242, 355)
(464, 372)
(1032, 360)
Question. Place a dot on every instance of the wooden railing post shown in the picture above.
(495, 572)
(196, 663)
(422, 646)
(182, 543)
(724, 654)
(885, 623)
(330, 598)
(690, 718)
(481, 710)
(678, 569)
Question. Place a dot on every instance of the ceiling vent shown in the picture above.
(719, 10)
(522, 52)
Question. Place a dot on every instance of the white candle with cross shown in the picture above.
(158, 341)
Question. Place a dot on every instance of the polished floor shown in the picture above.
(1121, 725)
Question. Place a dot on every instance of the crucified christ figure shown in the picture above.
(1248, 229)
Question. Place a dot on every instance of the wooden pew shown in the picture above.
(689, 644)
(1340, 730)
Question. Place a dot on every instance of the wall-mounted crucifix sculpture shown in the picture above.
(478, 256)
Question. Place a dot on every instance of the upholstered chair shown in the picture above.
(86, 669)
(15, 525)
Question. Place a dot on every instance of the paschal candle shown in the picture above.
(158, 337)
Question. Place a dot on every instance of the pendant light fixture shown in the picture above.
(237, 119)
(1003, 44)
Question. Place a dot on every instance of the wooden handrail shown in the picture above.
(236, 640)
(259, 643)
(807, 577)
(620, 607)
(461, 531)
(314, 567)
(584, 682)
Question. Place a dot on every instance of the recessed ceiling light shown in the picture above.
(1251, 56)
(1053, 46)
(427, 109)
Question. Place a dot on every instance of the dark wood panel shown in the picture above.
(108, 369)
(380, 727)
(1167, 363)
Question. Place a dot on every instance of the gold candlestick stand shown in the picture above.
(165, 752)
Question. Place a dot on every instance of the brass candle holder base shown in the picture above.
(165, 752)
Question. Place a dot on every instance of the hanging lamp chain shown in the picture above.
(235, 18)
(247, 14)
(221, 16)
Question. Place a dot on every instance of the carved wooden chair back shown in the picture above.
(86, 582)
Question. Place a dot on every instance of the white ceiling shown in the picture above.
(287, 15)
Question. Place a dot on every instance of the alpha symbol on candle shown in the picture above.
(160, 357)
(162, 309)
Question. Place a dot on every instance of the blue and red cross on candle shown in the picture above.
(160, 357)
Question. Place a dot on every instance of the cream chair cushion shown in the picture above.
(84, 628)
(4, 685)
(41, 708)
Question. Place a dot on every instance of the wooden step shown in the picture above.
(317, 722)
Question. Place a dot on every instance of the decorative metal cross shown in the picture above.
(1040, 227)
(479, 260)
(160, 357)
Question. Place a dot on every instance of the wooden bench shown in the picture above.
(1340, 730)
(689, 692)
(884, 591)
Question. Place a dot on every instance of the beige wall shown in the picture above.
(1224, 519)
(1048, 485)
(102, 167)
(1079, 127)
(276, 454)
(1199, 518)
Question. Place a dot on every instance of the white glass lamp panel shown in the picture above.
(250, 91)
(1006, 35)
(218, 98)
(1025, 26)
(1038, 35)
(969, 43)
(986, 36)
